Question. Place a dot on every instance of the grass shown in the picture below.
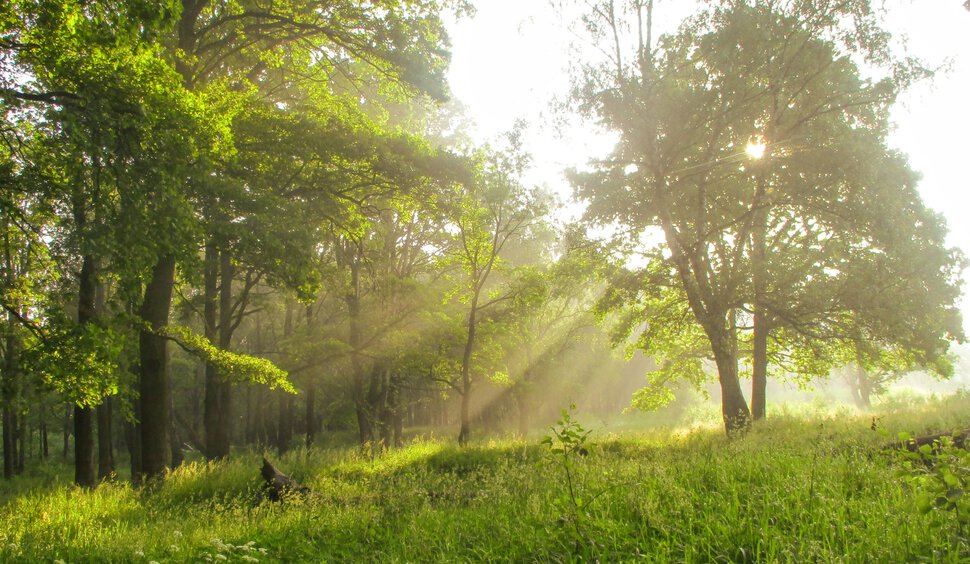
(796, 489)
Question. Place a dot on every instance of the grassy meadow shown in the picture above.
(798, 488)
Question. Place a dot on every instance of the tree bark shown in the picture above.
(22, 434)
(862, 388)
(155, 387)
(759, 356)
(734, 408)
(218, 390)
(759, 364)
(84, 468)
(284, 431)
(106, 458)
(9, 446)
(9, 393)
(365, 431)
(523, 405)
(44, 450)
(68, 419)
(310, 415)
(466, 367)
(84, 439)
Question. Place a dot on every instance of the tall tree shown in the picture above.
(487, 214)
(774, 78)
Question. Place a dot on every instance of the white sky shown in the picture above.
(510, 60)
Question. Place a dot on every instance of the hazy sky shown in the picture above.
(509, 61)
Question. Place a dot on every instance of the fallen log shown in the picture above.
(913, 444)
(278, 485)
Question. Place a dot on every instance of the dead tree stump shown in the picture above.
(278, 485)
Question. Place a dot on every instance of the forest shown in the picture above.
(256, 233)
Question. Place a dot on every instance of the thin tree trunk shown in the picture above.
(8, 391)
(864, 388)
(310, 415)
(133, 440)
(522, 402)
(22, 438)
(759, 364)
(44, 450)
(210, 304)
(284, 431)
(466, 378)
(84, 439)
(364, 428)
(218, 397)
(106, 458)
(155, 387)
(762, 325)
(9, 446)
(68, 420)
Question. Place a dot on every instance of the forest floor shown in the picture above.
(795, 489)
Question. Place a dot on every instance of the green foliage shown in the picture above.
(242, 368)
(939, 475)
(78, 362)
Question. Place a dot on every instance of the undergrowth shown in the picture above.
(794, 489)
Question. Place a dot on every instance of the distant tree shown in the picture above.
(486, 215)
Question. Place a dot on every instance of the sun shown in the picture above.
(756, 148)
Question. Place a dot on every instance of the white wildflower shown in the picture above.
(248, 558)
(139, 554)
(221, 557)
(177, 534)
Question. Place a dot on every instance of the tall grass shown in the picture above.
(797, 488)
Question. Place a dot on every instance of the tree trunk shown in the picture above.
(218, 391)
(759, 364)
(466, 374)
(9, 446)
(522, 402)
(759, 356)
(734, 408)
(284, 433)
(9, 395)
(465, 426)
(106, 458)
(133, 441)
(863, 388)
(210, 300)
(365, 432)
(22, 434)
(395, 412)
(84, 416)
(67, 430)
(44, 450)
(155, 387)
(310, 415)
(84, 468)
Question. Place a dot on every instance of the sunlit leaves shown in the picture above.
(240, 367)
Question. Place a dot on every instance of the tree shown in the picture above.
(772, 75)
(486, 215)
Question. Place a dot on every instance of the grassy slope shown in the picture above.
(793, 490)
